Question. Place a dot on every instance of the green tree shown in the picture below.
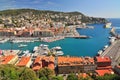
(27, 74)
(108, 77)
(72, 77)
(57, 78)
(8, 72)
(43, 78)
(45, 72)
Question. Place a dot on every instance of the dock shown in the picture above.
(79, 37)
(113, 51)
(13, 52)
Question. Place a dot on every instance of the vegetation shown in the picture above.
(108, 77)
(10, 72)
(45, 73)
(72, 77)
(57, 78)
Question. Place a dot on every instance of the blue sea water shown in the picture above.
(76, 47)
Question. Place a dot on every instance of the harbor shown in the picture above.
(68, 44)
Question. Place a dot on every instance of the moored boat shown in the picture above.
(22, 45)
(108, 25)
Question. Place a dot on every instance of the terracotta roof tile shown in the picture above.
(7, 58)
(103, 72)
(103, 59)
(24, 60)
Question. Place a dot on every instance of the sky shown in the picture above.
(93, 8)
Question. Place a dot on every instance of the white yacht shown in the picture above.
(22, 45)
(3, 40)
(105, 47)
(108, 25)
(58, 50)
(25, 52)
(35, 48)
(59, 53)
(100, 52)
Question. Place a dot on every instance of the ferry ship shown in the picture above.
(108, 25)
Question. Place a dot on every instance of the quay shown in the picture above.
(13, 52)
(79, 37)
(113, 51)
(51, 39)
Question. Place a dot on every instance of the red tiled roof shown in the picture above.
(103, 59)
(7, 58)
(63, 61)
(37, 60)
(37, 64)
(103, 72)
(24, 60)
(51, 65)
(37, 67)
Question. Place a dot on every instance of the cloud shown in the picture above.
(7, 4)
(36, 4)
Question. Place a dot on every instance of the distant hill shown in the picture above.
(68, 17)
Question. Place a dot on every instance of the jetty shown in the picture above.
(79, 37)
(13, 52)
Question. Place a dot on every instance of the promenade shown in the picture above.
(113, 51)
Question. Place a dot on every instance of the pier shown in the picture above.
(79, 37)
(113, 51)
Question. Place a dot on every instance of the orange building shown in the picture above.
(68, 65)
(103, 66)
(43, 61)
(24, 62)
(103, 62)
(37, 64)
(9, 59)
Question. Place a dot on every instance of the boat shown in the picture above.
(25, 52)
(108, 25)
(59, 53)
(105, 47)
(35, 48)
(100, 52)
(22, 45)
(57, 50)
(3, 40)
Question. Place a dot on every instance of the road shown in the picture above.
(113, 51)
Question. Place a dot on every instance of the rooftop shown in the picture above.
(63, 61)
(6, 59)
(40, 60)
(105, 71)
(103, 59)
(24, 61)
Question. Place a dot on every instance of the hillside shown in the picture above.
(16, 16)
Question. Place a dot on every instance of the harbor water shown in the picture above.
(75, 47)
